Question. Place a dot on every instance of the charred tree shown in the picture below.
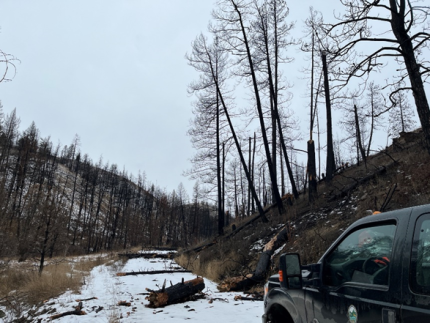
(330, 165)
(405, 40)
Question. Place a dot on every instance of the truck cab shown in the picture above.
(378, 270)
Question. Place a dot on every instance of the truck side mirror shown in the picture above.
(290, 273)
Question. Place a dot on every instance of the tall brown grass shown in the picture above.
(21, 285)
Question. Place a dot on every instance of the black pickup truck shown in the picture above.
(378, 270)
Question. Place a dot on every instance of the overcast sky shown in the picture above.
(114, 72)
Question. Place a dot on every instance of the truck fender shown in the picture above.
(279, 300)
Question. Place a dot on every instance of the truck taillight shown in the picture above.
(281, 276)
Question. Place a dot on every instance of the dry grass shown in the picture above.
(22, 286)
(210, 269)
(220, 262)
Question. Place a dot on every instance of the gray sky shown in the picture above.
(114, 72)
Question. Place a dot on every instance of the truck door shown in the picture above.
(358, 282)
(416, 285)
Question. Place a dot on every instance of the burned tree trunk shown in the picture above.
(330, 165)
(312, 176)
(175, 294)
(358, 136)
(263, 264)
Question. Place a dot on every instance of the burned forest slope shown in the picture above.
(393, 178)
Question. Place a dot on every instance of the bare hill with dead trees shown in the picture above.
(56, 201)
(394, 178)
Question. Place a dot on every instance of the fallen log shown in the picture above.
(346, 190)
(262, 268)
(225, 300)
(231, 283)
(178, 293)
(231, 234)
(169, 255)
(77, 311)
(153, 272)
(159, 248)
(86, 299)
(245, 298)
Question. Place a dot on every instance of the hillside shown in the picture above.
(58, 202)
(130, 214)
(393, 178)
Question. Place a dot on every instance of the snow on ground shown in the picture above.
(111, 289)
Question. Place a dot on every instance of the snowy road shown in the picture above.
(111, 289)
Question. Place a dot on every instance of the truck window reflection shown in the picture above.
(363, 256)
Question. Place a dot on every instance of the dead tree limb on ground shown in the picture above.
(345, 191)
(246, 298)
(153, 272)
(238, 229)
(77, 311)
(169, 255)
(86, 299)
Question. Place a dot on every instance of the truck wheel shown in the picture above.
(279, 314)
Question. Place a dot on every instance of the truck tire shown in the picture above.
(278, 314)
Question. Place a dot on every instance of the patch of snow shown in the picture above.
(111, 289)
(279, 250)
(257, 245)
